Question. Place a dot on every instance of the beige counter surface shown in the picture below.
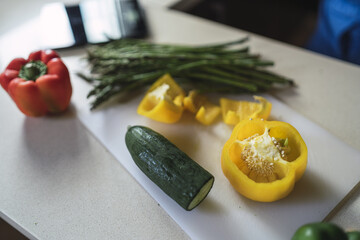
(79, 191)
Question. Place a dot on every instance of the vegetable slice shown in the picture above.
(167, 166)
(163, 102)
(206, 112)
(235, 111)
(257, 165)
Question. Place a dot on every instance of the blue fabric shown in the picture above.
(338, 30)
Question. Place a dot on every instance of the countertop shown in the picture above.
(83, 192)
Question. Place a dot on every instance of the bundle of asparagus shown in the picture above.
(126, 65)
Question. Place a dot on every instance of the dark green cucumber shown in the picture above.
(180, 177)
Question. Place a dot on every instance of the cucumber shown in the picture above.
(180, 177)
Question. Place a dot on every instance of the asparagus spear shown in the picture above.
(126, 65)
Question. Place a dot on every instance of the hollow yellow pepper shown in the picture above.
(235, 111)
(206, 112)
(263, 159)
(163, 102)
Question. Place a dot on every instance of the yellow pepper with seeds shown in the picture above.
(163, 102)
(205, 111)
(263, 159)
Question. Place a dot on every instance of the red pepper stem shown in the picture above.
(32, 70)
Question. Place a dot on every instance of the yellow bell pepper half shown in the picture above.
(163, 102)
(206, 112)
(263, 159)
(235, 111)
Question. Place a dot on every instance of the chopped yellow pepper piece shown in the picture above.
(206, 112)
(235, 111)
(263, 159)
(163, 102)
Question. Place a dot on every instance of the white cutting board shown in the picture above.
(333, 170)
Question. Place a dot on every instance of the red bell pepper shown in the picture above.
(39, 85)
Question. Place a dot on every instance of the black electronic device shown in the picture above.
(90, 22)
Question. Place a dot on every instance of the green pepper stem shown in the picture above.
(32, 70)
